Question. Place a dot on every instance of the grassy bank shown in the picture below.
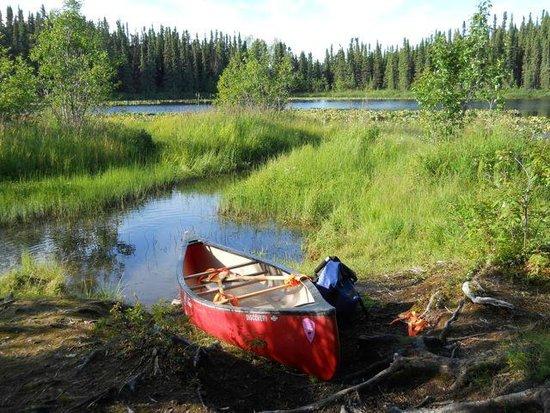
(378, 193)
(48, 171)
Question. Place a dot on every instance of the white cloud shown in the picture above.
(309, 25)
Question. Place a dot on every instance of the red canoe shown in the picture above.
(264, 308)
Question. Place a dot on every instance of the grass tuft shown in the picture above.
(33, 279)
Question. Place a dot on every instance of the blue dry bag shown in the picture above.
(335, 282)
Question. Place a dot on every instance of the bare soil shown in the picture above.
(53, 359)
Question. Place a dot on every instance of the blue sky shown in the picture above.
(309, 25)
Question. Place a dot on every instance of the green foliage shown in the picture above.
(530, 356)
(17, 87)
(164, 63)
(42, 148)
(510, 211)
(34, 279)
(460, 72)
(74, 68)
(256, 79)
(383, 199)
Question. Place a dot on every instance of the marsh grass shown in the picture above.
(34, 279)
(41, 148)
(52, 175)
(379, 195)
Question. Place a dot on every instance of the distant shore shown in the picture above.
(332, 95)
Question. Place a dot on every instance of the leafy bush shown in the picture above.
(460, 71)
(17, 87)
(510, 211)
(258, 78)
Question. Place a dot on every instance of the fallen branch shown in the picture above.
(468, 292)
(537, 396)
(431, 363)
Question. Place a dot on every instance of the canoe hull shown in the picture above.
(308, 342)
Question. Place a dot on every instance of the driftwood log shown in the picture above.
(469, 292)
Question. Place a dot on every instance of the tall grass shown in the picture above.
(42, 148)
(34, 279)
(381, 198)
(49, 174)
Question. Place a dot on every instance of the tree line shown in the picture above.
(167, 63)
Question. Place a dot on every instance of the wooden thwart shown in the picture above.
(233, 267)
(257, 276)
(231, 287)
(255, 293)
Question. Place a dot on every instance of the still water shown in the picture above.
(139, 249)
(539, 107)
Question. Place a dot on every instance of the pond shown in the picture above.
(139, 249)
(539, 107)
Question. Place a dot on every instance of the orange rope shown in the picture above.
(221, 298)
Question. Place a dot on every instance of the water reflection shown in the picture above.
(141, 247)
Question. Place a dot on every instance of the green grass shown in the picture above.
(34, 279)
(49, 174)
(530, 356)
(377, 193)
(40, 148)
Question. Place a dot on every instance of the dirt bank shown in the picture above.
(74, 355)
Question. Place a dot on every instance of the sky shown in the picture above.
(309, 25)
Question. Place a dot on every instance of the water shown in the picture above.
(539, 107)
(140, 248)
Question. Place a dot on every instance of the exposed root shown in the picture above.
(539, 396)
(468, 292)
(428, 363)
(445, 332)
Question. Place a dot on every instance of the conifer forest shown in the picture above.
(169, 62)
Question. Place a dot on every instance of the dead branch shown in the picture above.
(427, 363)
(468, 292)
(451, 320)
(363, 372)
(536, 396)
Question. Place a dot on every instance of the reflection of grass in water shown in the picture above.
(185, 147)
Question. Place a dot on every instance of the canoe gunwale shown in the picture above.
(320, 307)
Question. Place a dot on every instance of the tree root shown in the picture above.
(539, 396)
(428, 363)
(445, 332)
(468, 292)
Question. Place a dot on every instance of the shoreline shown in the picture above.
(352, 95)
